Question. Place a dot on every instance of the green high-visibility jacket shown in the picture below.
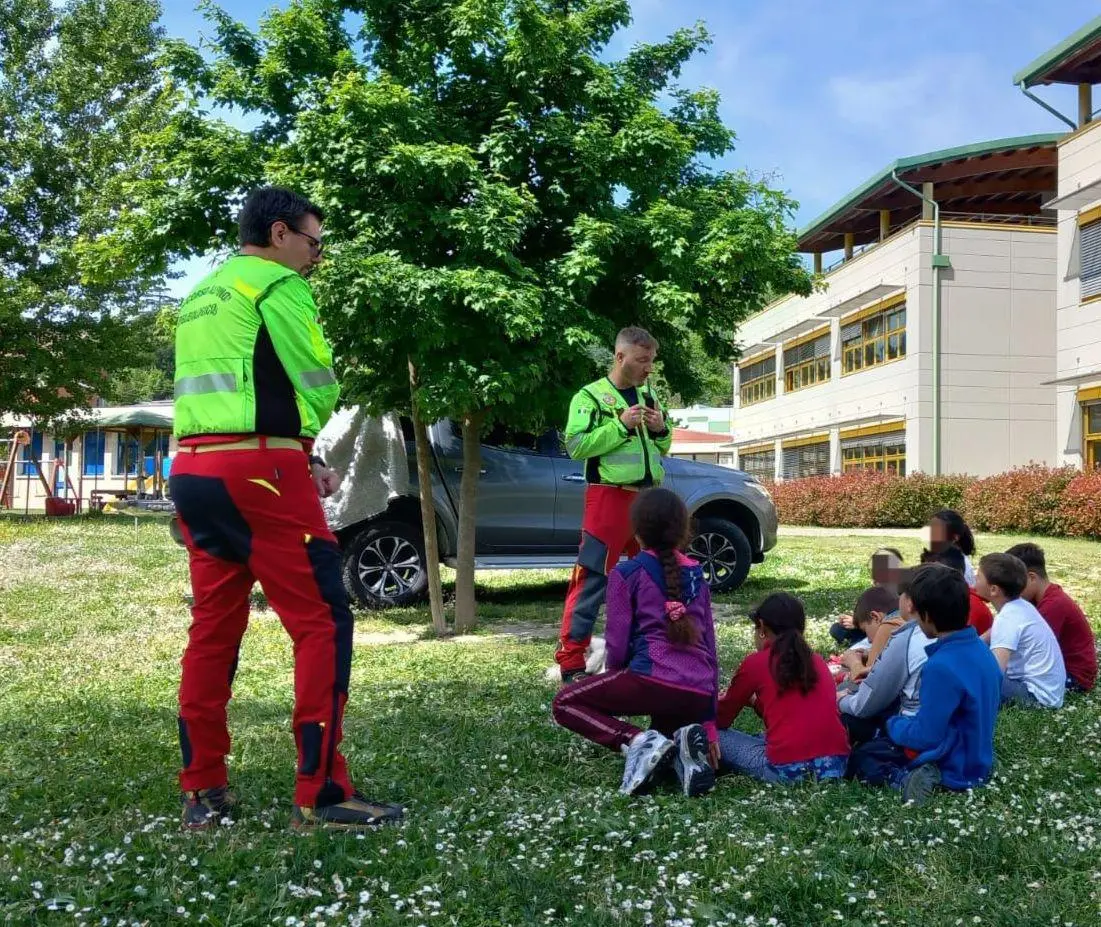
(595, 434)
(250, 355)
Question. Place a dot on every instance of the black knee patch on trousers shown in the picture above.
(310, 736)
(593, 555)
(185, 742)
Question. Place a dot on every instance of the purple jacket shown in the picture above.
(635, 632)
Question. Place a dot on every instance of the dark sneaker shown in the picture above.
(357, 813)
(920, 784)
(571, 676)
(696, 774)
(205, 808)
(648, 755)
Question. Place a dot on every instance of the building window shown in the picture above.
(1091, 438)
(875, 340)
(1089, 274)
(127, 454)
(807, 363)
(761, 464)
(92, 456)
(758, 381)
(29, 453)
(807, 460)
(884, 453)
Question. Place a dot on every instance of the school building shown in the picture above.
(928, 345)
(1076, 62)
(960, 331)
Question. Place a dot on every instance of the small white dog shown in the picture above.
(594, 661)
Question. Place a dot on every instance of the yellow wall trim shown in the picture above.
(1089, 394)
(812, 336)
(990, 226)
(874, 309)
(822, 438)
(866, 431)
(1088, 216)
(1081, 130)
(757, 448)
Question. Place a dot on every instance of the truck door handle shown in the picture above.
(573, 478)
(460, 470)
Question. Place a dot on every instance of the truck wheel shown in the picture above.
(723, 551)
(384, 565)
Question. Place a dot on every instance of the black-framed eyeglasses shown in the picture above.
(316, 243)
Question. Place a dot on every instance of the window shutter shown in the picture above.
(1091, 260)
(852, 330)
(822, 346)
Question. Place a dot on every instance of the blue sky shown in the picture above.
(823, 95)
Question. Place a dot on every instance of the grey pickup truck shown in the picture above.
(530, 498)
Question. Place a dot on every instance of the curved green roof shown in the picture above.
(1020, 157)
(1072, 61)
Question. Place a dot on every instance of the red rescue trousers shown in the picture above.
(247, 516)
(605, 535)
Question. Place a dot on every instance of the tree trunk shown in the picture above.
(428, 512)
(465, 606)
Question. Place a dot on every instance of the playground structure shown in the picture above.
(114, 455)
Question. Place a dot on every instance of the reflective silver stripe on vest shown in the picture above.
(312, 379)
(573, 442)
(207, 383)
(618, 459)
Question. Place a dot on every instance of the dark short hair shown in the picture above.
(1032, 556)
(1006, 572)
(638, 337)
(950, 556)
(267, 205)
(873, 599)
(940, 596)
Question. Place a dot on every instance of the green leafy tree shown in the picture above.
(502, 199)
(78, 82)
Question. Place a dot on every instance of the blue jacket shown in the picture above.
(961, 689)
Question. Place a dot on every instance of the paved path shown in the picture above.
(806, 531)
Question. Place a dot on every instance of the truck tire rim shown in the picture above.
(389, 567)
(717, 556)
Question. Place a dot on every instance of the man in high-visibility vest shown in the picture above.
(618, 427)
(254, 384)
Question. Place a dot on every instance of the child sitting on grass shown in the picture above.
(876, 614)
(948, 527)
(1064, 615)
(950, 739)
(979, 616)
(893, 685)
(1022, 642)
(660, 658)
(790, 687)
(884, 565)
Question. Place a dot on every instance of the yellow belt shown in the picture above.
(258, 443)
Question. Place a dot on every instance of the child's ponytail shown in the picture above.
(791, 659)
(660, 521)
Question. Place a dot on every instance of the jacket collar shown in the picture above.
(963, 636)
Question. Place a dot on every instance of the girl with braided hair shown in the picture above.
(660, 659)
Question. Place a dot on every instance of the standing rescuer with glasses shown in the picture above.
(254, 385)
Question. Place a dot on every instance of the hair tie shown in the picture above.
(674, 610)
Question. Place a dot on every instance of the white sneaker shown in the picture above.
(696, 774)
(647, 755)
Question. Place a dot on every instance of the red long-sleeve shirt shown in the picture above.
(798, 727)
(1073, 632)
(979, 617)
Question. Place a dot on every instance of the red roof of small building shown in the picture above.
(688, 436)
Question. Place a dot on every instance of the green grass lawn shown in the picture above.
(511, 820)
